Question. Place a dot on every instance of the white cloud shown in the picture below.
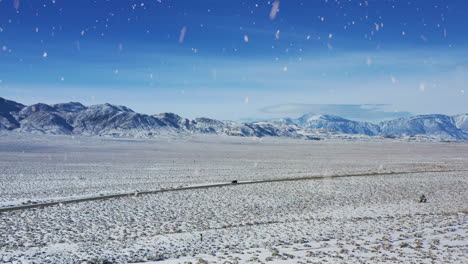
(366, 112)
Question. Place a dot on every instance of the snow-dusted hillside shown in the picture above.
(8, 114)
(440, 126)
(461, 121)
(337, 124)
(113, 120)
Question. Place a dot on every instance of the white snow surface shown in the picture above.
(341, 220)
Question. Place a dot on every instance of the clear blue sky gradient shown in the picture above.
(235, 62)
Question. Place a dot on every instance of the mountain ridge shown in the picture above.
(114, 120)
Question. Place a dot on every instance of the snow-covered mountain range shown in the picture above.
(112, 120)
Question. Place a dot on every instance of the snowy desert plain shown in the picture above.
(296, 201)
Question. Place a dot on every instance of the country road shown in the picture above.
(206, 186)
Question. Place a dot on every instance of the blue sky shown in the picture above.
(367, 60)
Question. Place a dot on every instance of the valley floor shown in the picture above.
(345, 220)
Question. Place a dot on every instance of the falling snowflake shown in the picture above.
(422, 87)
(214, 74)
(377, 27)
(277, 34)
(182, 34)
(246, 38)
(16, 4)
(44, 54)
(274, 9)
(246, 100)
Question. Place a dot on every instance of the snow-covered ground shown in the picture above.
(354, 219)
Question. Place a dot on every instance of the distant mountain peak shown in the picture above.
(7, 106)
(111, 107)
(441, 126)
(171, 116)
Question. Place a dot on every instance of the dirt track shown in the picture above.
(121, 195)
